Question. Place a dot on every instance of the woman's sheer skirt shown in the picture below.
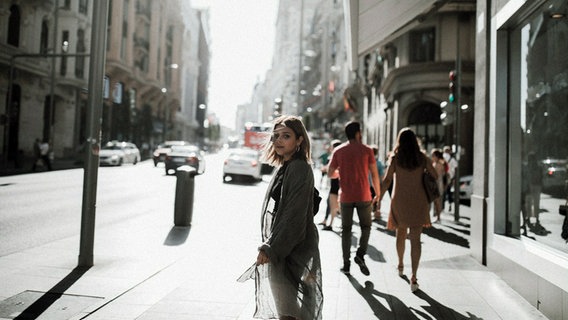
(280, 293)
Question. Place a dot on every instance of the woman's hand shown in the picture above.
(262, 258)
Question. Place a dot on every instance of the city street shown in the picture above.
(145, 268)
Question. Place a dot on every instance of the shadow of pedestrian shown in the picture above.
(439, 311)
(383, 228)
(396, 309)
(445, 236)
(50, 297)
(177, 236)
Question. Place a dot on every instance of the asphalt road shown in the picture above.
(38, 208)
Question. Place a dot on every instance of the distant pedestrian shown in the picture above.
(324, 160)
(333, 197)
(381, 171)
(355, 160)
(41, 154)
(409, 205)
(37, 153)
(287, 271)
(441, 167)
(453, 165)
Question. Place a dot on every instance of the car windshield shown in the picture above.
(184, 149)
(244, 154)
(112, 147)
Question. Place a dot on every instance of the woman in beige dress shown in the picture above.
(409, 211)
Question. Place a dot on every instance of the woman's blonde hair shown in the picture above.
(304, 152)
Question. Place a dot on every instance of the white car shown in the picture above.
(115, 153)
(243, 163)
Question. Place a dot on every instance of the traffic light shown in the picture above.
(447, 113)
(452, 86)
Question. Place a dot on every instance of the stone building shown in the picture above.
(157, 54)
(510, 59)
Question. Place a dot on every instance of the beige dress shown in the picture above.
(409, 205)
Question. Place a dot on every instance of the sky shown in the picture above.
(242, 45)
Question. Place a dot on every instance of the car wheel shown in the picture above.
(135, 161)
(119, 162)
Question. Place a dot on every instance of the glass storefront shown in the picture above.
(538, 127)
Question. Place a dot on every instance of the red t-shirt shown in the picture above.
(353, 160)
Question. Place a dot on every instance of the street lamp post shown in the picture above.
(95, 101)
(167, 100)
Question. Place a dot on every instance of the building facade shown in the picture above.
(510, 62)
(157, 54)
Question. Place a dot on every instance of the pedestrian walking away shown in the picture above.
(409, 211)
(333, 197)
(453, 164)
(287, 271)
(353, 161)
(442, 168)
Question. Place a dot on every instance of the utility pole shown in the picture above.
(95, 102)
(299, 107)
(457, 127)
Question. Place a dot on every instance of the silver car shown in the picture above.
(115, 153)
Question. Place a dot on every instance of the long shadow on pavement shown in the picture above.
(51, 296)
(445, 236)
(440, 311)
(396, 308)
(437, 233)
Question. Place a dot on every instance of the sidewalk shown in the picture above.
(191, 274)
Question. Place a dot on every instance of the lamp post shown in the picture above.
(167, 100)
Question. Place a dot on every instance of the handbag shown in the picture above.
(430, 186)
(317, 200)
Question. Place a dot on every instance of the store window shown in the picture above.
(538, 133)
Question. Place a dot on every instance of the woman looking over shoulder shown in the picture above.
(288, 269)
(409, 211)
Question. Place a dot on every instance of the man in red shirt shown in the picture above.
(353, 161)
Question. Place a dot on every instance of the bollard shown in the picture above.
(185, 185)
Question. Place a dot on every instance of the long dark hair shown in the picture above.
(407, 150)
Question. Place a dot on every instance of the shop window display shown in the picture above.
(542, 116)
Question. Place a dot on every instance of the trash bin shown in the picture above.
(185, 185)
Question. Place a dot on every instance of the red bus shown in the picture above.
(256, 135)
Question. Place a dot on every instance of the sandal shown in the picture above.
(413, 284)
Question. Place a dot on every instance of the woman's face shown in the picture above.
(285, 142)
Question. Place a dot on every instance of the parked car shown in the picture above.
(115, 153)
(243, 163)
(159, 155)
(554, 176)
(182, 155)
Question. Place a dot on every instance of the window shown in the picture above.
(83, 5)
(44, 37)
(422, 45)
(14, 26)
(80, 61)
(538, 134)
